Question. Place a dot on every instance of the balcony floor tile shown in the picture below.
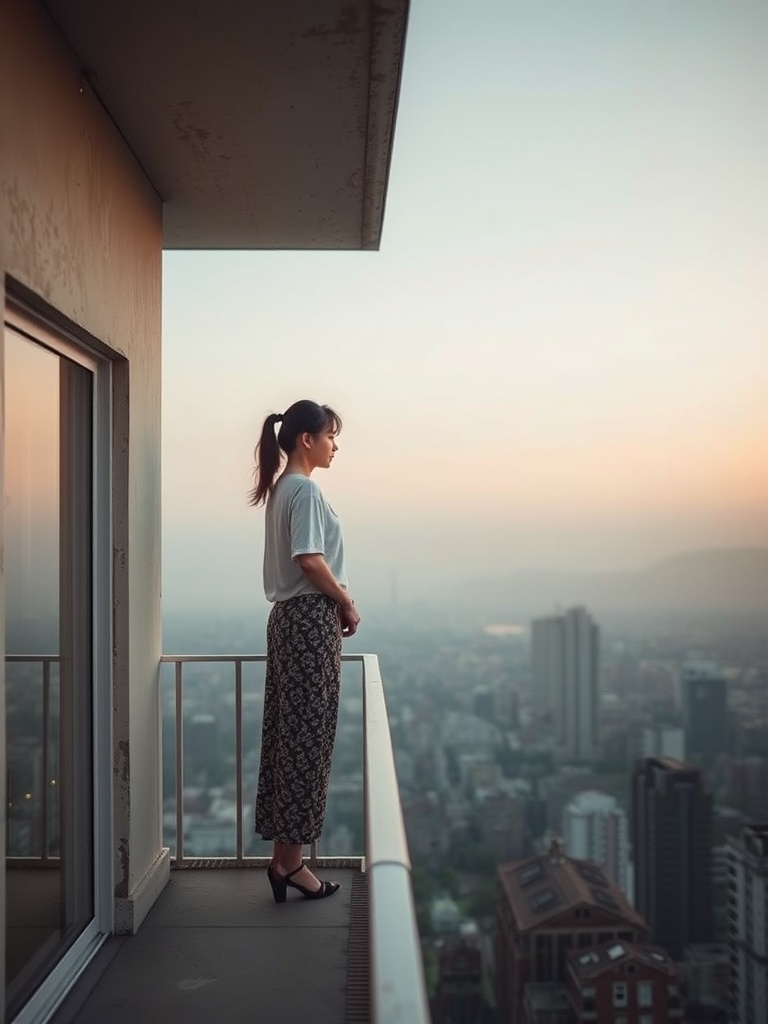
(215, 947)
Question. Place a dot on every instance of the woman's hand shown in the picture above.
(350, 618)
(317, 571)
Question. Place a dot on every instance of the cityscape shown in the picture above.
(585, 800)
(585, 796)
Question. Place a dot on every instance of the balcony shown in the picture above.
(216, 946)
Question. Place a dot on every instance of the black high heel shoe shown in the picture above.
(279, 885)
(326, 888)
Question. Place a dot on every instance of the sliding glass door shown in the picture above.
(49, 507)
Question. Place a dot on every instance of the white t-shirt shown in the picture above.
(299, 521)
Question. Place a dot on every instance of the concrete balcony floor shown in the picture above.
(216, 948)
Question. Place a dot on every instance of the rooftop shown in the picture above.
(670, 764)
(592, 801)
(546, 886)
(591, 963)
(752, 840)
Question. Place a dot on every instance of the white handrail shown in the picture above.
(398, 991)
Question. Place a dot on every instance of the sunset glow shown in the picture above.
(560, 354)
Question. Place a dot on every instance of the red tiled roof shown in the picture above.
(548, 885)
(593, 962)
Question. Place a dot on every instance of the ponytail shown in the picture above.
(302, 417)
(267, 457)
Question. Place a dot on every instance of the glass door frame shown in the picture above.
(27, 322)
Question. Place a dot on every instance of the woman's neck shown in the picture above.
(298, 463)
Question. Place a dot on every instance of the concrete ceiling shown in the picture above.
(262, 124)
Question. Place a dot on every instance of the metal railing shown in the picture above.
(398, 990)
(178, 661)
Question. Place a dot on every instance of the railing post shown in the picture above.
(46, 759)
(179, 767)
(366, 808)
(239, 755)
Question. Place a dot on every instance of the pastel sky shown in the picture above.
(559, 356)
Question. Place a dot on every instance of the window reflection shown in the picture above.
(47, 503)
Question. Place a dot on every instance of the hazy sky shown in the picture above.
(558, 358)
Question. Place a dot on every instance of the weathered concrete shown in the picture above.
(81, 245)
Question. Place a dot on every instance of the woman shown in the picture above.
(304, 576)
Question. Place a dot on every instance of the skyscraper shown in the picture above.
(748, 912)
(746, 786)
(705, 709)
(545, 660)
(564, 670)
(672, 840)
(595, 828)
(662, 741)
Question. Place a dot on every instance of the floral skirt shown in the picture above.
(301, 702)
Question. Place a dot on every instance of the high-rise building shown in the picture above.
(704, 698)
(548, 905)
(663, 741)
(545, 660)
(595, 828)
(672, 847)
(559, 789)
(707, 976)
(564, 670)
(500, 823)
(746, 786)
(748, 939)
(726, 822)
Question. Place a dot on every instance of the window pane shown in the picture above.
(644, 993)
(48, 680)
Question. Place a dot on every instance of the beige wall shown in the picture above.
(80, 228)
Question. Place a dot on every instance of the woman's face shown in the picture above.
(322, 448)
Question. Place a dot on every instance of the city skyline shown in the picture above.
(556, 360)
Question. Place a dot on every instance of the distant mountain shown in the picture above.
(730, 579)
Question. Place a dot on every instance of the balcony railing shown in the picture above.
(48, 760)
(398, 991)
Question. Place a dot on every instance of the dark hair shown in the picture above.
(302, 417)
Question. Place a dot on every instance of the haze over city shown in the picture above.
(557, 359)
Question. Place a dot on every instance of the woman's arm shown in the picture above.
(318, 572)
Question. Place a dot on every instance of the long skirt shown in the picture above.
(301, 702)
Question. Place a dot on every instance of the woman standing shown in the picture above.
(304, 577)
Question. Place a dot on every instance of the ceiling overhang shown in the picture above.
(261, 125)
